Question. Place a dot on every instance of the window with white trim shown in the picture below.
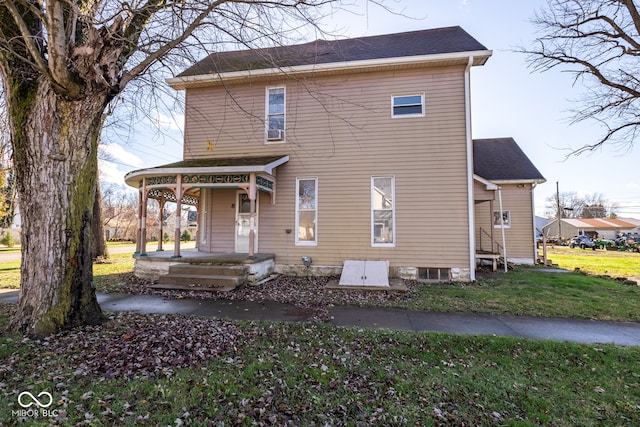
(407, 105)
(306, 211)
(506, 218)
(383, 211)
(275, 114)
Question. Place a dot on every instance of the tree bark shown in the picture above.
(55, 143)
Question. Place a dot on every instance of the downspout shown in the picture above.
(533, 211)
(504, 240)
(470, 201)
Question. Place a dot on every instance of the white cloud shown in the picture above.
(114, 162)
(109, 172)
(112, 152)
(173, 122)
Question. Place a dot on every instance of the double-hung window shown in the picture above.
(506, 219)
(307, 211)
(275, 117)
(383, 211)
(407, 105)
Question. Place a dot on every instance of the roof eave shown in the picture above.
(519, 181)
(133, 177)
(181, 83)
(488, 184)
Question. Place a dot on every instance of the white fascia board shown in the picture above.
(519, 181)
(490, 185)
(184, 82)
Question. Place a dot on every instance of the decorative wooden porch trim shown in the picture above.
(173, 183)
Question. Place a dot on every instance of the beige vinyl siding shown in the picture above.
(340, 130)
(223, 219)
(519, 237)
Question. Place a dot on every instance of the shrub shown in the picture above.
(7, 240)
(186, 236)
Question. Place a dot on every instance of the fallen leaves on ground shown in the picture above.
(128, 346)
(309, 294)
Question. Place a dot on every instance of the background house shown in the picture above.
(607, 228)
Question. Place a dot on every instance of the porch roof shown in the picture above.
(234, 165)
(502, 161)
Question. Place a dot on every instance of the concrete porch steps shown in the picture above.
(203, 277)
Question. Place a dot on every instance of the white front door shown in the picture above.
(243, 221)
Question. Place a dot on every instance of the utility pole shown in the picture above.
(559, 210)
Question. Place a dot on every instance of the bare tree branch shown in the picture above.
(598, 41)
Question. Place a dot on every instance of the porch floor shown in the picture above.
(194, 256)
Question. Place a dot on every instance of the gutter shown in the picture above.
(470, 201)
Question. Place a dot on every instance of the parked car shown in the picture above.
(582, 242)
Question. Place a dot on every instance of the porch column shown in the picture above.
(143, 221)
(493, 243)
(139, 230)
(252, 214)
(161, 202)
(176, 235)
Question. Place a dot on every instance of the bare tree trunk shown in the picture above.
(99, 248)
(55, 154)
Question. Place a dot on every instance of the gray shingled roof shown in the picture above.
(501, 159)
(414, 43)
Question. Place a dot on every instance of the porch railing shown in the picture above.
(496, 248)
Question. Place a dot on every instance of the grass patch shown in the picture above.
(611, 263)
(10, 274)
(109, 274)
(105, 275)
(311, 374)
(534, 293)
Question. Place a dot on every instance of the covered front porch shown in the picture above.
(183, 183)
(186, 183)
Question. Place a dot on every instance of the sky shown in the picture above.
(508, 99)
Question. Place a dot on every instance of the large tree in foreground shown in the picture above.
(599, 42)
(62, 63)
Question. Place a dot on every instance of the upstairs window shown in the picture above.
(407, 106)
(275, 120)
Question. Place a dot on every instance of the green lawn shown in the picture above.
(104, 274)
(315, 374)
(532, 292)
(612, 263)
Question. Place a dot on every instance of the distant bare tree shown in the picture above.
(574, 206)
(7, 204)
(120, 210)
(598, 41)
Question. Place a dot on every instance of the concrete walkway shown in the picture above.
(582, 331)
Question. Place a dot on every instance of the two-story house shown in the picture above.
(354, 149)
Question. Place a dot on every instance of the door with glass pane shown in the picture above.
(243, 222)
